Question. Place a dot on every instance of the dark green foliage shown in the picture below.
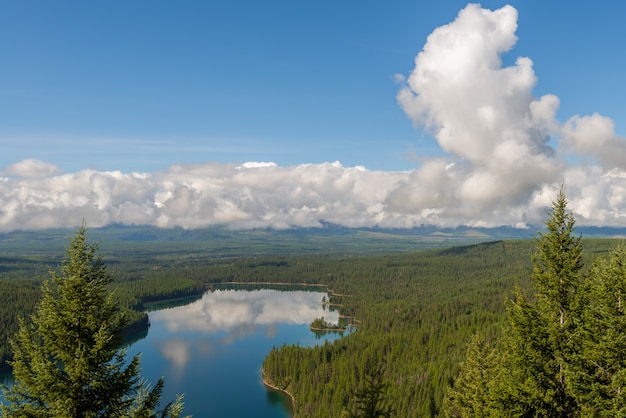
(564, 352)
(414, 312)
(17, 300)
(598, 354)
(533, 374)
(473, 394)
(538, 349)
(370, 401)
(68, 360)
(322, 324)
(557, 264)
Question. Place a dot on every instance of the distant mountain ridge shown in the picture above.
(329, 238)
(152, 233)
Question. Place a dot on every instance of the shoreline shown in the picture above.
(264, 380)
(274, 284)
(284, 391)
(328, 329)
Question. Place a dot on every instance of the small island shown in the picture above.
(320, 324)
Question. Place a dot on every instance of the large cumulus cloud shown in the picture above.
(481, 113)
(504, 157)
(507, 150)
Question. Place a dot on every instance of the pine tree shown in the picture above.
(471, 395)
(598, 374)
(538, 345)
(370, 399)
(68, 361)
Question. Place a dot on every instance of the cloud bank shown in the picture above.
(504, 156)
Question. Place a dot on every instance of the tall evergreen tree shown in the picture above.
(370, 399)
(471, 395)
(538, 344)
(68, 361)
(598, 374)
(564, 354)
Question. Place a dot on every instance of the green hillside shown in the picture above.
(415, 311)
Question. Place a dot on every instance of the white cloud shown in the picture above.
(483, 114)
(506, 156)
(497, 134)
(208, 194)
(31, 168)
(594, 137)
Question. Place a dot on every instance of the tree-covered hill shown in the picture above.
(415, 311)
(223, 242)
(416, 314)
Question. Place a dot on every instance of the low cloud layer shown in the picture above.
(504, 157)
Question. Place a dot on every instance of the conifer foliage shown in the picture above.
(69, 360)
(370, 399)
(598, 375)
(564, 352)
(540, 331)
(470, 396)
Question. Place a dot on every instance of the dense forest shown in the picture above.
(563, 350)
(415, 312)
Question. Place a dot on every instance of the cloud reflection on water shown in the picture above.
(225, 316)
(238, 313)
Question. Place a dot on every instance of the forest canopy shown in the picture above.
(419, 314)
(563, 352)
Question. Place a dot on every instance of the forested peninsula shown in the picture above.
(418, 313)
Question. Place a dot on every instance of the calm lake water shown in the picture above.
(211, 350)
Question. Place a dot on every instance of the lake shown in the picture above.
(211, 350)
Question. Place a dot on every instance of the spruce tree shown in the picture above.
(598, 372)
(68, 360)
(370, 400)
(471, 395)
(564, 354)
(539, 350)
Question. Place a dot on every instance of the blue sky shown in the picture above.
(147, 111)
(138, 86)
